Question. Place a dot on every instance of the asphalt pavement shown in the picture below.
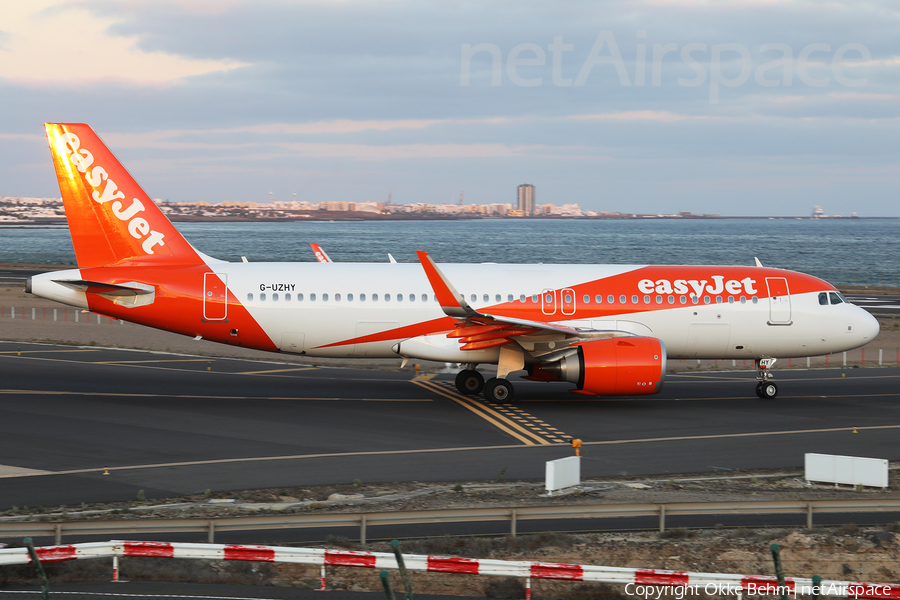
(174, 425)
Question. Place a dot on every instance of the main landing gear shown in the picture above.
(498, 390)
(471, 383)
(765, 388)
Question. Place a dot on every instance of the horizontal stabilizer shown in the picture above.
(129, 294)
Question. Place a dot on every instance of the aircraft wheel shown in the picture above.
(469, 382)
(767, 390)
(498, 390)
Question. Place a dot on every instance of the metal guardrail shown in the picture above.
(59, 528)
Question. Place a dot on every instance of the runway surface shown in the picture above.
(173, 425)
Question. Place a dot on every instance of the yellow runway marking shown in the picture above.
(721, 436)
(522, 422)
(532, 422)
(198, 397)
(192, 463)
(10, 471)
(276, 371)
(49, 351)
(487, 415)
(136, 362)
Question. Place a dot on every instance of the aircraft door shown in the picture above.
(215, 297)
(779, 301)
(567, 299)
(548, 302)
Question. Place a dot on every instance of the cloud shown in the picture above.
(345, 100)
(51, 42)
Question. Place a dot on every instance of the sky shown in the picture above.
(736, 107)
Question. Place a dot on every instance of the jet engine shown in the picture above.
(631, 366)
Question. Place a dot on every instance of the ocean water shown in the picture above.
(844, 252)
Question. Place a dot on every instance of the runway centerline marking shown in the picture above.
(135, 362)
(431, 451)
(198, 397)
(48, 351)
(276, 371)
(721, 436)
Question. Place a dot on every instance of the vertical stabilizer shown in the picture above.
(111, 219)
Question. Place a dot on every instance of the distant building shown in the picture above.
(526, 199)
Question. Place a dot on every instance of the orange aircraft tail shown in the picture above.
(111, 219)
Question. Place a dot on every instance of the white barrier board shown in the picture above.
(563, 473)
(849, 470)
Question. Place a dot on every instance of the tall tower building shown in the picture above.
(526, 199)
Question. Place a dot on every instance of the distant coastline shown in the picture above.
(320, 216)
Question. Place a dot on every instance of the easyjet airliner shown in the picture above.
(608, 329)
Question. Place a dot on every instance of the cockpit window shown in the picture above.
(836, 298)
(823, 298)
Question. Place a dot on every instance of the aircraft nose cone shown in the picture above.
(868, 326)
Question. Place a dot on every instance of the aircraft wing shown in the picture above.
(454, 304)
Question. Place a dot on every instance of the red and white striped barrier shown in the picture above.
(638, 582)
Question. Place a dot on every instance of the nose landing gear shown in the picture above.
(766, 388)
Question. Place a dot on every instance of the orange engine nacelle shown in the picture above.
(631, 366)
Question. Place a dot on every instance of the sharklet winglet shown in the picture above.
(451, 302)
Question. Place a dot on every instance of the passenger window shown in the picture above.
(262, 297)
(586, 299)
(299, 297)
(250, 297)
(682, 299)
(473, 297)
(730, 299)
(534, 298)
(671, 299)
(374, 297)
(634, 299)
(521, 297)
(568, 298)
(486, 298)
(509, 298)
(743, 300)
(695, 299)
(823, 298)
(659, 299)
(349, 297)
(324, 297)
(548, 298)
(836, 298)
(646, 299)
(705, 299)
(399, 297)
(599, 299)
(387, 297)
(718, 299)
(623, 299)
(412, 297)
(755, 299)
(362, 297)
(424, 297)
(611, 299)
(287, 297)
(274, 297)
